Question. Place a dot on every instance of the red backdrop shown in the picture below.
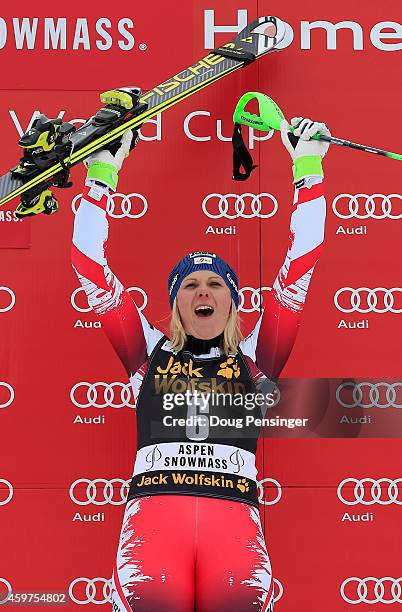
(55, 533)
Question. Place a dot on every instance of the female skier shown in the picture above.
(191, 537)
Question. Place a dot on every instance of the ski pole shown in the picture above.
(270, 117)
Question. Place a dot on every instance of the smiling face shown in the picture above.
(204, 302)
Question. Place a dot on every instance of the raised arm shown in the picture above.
(273, 338)
(132, 337)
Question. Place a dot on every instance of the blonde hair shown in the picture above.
(231, 334)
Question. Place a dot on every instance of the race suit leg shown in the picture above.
(233, 568)
(154, 568)
(185, 553)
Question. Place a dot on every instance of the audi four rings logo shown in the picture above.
(11, 295)
(91, 590)
(264, 491)
(233, 206)
(363, 206)
(370, 395)
(7, 494)
(102, 395)
(9, 392)
(279, 586)
(88, 308)
(8, 586)
(123, 203)
(364, 300)
(250, 299)
(372, 590)
(101, 492)
(368, 491)
(99, 590)
(84, 492)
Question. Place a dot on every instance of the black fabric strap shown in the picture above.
(241, 156)
(241, 55)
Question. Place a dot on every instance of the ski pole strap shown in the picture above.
(241, 156)
(238, 54)
(269, 117)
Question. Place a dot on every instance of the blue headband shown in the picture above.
(202, 260)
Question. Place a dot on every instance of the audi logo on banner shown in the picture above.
(370, 395)
(269, 491)
(372, 590)
(9, 588)
(91, 590)
(250, 298)
(368, 491)
(9, 395)
(102, 395)
(88, 308)
(7, 494)
(9, 295)
(365, 300)
(364, 206)
(99, 491)
(125, 203)
(233, 206)
(279, 587)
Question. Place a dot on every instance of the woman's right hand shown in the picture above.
(306, 152)
(104, 165)
(298, 140)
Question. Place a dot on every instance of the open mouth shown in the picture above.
(204, 311)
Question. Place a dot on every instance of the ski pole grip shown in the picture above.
(316, 136)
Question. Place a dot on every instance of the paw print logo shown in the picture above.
(242, 484)
(229, 369)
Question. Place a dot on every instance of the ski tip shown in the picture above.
(256, 39)
(264, 34)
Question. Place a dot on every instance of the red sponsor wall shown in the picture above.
(331, 507)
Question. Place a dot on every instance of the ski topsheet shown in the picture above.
(255, 40)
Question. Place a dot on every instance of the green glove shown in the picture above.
(104, 165)
(306, 153)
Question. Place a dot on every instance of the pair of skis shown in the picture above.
(51, 147)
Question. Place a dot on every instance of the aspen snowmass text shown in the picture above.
(30, 33)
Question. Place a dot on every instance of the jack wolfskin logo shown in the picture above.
(229, 369)
(242, 484)
(176, 367)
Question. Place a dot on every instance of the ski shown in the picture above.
(51, 146)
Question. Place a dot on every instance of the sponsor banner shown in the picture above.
(61, 378)
(372, 590)
(95, 591)
(7, 394)
(370, 491)
(14, 233)
(208, 457)
(210, 484)
(116, 48)
(99, 491)
(7, 299)
(6, 491)
(368, 206)
(369, 299)
(120, 205)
